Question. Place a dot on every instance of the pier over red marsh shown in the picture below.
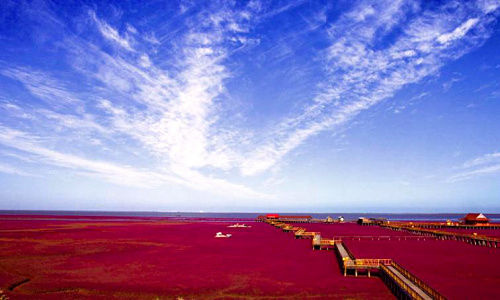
(486, 232)
(456, 269)
(351, 230)
(146, 258)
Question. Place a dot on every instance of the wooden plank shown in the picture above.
(342, 251)
(409, 283)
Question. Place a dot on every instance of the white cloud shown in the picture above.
(459, 32)
(482, 165)
(488, 6)
(484, 159)
(171, 109)
(144, 61)
(362, 76)
(111, 33)
(84, 121)
(12, 170)
(43, 86)
(485, 170)
(403, 54)
(172, 115)
(118, 174)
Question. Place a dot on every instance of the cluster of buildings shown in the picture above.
(475, 219)
(297, 219)
(469, 219)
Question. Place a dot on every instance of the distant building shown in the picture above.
(282, 218)
(272, 216)
(473, 219)
(364, 221)
(295, 218)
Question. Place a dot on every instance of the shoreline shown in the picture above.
(417, 217)
(141, 258)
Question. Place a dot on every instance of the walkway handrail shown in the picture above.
(378, 236)
(405, 287)
(408, 282)
(347, 250)
(374, 262)
(313, 233)
(329, 242)
(421, 284)
(411, 228)
(443, 225)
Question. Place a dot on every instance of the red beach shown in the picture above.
(101, 257)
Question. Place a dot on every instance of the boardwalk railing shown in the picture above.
(446, 225)
(319, 243)
(369, 262)
(474, 239)
(401, 284)
(304, 234)
(380, 237)
(294, 219)
(401, 281)
(422, 285)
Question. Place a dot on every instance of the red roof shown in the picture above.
(272, 216)
(475, 216)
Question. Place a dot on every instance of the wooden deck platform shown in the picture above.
(319, 243)
(401, 282)
(408, 286)
(383, 237)
(474, 239)
(435, 225)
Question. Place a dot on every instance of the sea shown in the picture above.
(246, 215)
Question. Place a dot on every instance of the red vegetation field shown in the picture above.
(455, 269)
(346, 230)
(148, 258)
(486, 232)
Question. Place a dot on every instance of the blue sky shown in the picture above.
(354, 106)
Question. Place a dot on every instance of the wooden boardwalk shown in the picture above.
(473, 239)
(383, 237)
(410, 287)
(319, 243)
(343, 252)
(454, 225)
(401, 282)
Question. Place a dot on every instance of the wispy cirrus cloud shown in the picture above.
(361, 74)
(8, 169)
(42, 85)
(118, 174)
(161, 95)
(486, 164)
(172, 115)
(458, 32)
(111, 33)
(178, 124)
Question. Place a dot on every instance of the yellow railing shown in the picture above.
(422, 285)
(372, 262)
(318, 241)
(439, 233)
(329, 242)
(347, 250)
(405, 287)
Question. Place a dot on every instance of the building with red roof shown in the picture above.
(282, 218)
(475, 218)
(295, 219)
